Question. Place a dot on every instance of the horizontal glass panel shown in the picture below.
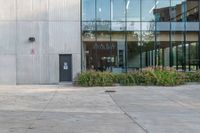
(163, 26)
(192, 26)
(103, 26)
(133, 26)
(177, 26)
(88, 26)
(118, 26)
(148, 26)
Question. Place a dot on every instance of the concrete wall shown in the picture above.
(56, 26)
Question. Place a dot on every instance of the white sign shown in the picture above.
(65, 66)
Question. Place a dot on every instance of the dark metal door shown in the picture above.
(65, 68)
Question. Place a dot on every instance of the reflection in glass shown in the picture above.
(103, 10)
(192, 10)
(148, 51)
(162, 11)
(124, 35)
(118, 10)
(118, 40)
(192, 51)
(163, 46)
(148, 7)
(133, 10)
(177, 39)
(88, 12)
(133, 51)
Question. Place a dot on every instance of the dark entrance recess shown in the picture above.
(65, 61)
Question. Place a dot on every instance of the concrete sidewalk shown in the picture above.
(60, 109)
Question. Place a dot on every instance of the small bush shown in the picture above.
(193, 76)
(92, 78)
(156, 76)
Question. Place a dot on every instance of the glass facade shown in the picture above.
(127, 35)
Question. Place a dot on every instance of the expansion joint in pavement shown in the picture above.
(127, 115)
(42, 111)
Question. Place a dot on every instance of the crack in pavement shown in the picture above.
(42, 111)
(126, 114)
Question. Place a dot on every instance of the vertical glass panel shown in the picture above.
(133, 10)
(103, 10)
(89, 55)
(162, 11)
(88, 31)
(119, 52)
(177, 39)
(177, 11)
(88, 7)
(133, 51)
(118, 10)
(148, 7)
(103, 47)
(103, 31)
(192, 10)
(163, 43)
(148, 43)
(192, 51)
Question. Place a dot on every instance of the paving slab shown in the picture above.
(68, 109)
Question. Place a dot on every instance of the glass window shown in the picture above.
(133, 10)
(192, 10)
(162, 11)
(119, 52)
(163, 46)
(192, 51)
(88, 31)
(133, 51)
(148, 52)
(88, 10)
(118, 26)
(148, 7)
(177, 10)
(177, 39)
(118, 10)
(103, 10)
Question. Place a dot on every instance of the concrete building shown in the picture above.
(34, 34)
(50, 41)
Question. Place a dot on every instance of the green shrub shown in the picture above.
(168, 77)
(92, 78)
(193, 76)
(149, 76)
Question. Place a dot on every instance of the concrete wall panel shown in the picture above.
(54, 68)
(7, 37)
(7, 69)
(28, 71)
(39, 30)
(32, 10)
(7, 9)
(76, 64)
(64, 37)
(68, 10)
